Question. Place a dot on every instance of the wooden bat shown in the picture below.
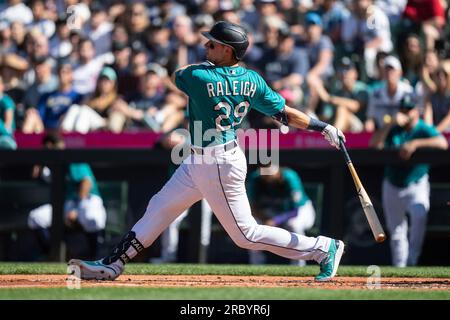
(369, 211)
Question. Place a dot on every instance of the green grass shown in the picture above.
(198, 269)
(218, 294)
(223, 293)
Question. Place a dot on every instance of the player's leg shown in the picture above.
(169, 241)
(418, 206)
(176, 196)
(223, 185)
(394, 209)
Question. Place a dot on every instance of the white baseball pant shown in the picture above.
(219, 177)
(414, 199)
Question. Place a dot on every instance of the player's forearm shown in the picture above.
(296, 118)
(379, 137)
(435, 143)
(351, 104)
(85, 189)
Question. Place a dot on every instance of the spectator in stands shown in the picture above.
(152, 107)
(7, 44)
(41, 46)
(319, 49)
(88, 67)
(429, 68)
(437, 108)
(384, 102)
(285, 66)
(95, 112)
(158, 44)
(333, 14)
(366, 32)
(411, 58)
(185, 45)
(377, 81)
(349, 97)
(7, 124)
(121, 65)
(12, 68)
(406, 188)
(60, 44)
(137, 21)
(18, 33)
(41, 22)
(278, 198)
(99, 29)
(83, 207)
(427, 16)
(44, 82)
(53, 106)
(130, 83)
(16, 10)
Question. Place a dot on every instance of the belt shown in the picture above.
(227, 147)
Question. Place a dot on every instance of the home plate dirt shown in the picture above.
(48, 281)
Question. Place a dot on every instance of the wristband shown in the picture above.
(316, 125)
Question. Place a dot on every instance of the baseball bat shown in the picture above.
(369, 210)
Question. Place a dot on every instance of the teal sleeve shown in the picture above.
(268, 101)
(183, 78)
(298, 195)
(430, 131)
(8, 103)
(3, 130)
(80, 171)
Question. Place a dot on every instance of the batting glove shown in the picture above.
(333, 135)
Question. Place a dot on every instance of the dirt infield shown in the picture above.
(49, 281)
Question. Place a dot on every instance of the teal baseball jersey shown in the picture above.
(6, 103)
(76, 173)
(402, 176)
(219, 99)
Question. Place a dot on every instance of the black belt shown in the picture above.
(227, 147)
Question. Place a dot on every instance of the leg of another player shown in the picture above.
(394, 210)
(418, 211)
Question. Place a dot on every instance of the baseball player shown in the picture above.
(406, 188)
(221, 92)
(277, 198)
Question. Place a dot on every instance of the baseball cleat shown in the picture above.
(96, 270)
(330, 264)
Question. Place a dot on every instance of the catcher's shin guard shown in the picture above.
(121, 251)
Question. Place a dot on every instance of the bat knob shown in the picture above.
(381, 237)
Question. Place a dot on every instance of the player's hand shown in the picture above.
(407, 149)
(333, 135)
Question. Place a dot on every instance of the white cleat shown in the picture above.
(96, 270)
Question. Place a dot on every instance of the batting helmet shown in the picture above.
(231, 35)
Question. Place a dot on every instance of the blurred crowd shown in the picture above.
(69, 65)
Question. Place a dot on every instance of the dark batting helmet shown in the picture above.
(231, 35)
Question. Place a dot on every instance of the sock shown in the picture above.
(126, 250)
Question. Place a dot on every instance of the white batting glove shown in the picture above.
(333, 135)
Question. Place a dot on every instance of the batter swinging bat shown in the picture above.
(367, 205)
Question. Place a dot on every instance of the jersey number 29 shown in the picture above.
(239, 112)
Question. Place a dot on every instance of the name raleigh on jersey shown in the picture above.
(242, 88)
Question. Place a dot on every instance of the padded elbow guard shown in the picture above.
(281, 117)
